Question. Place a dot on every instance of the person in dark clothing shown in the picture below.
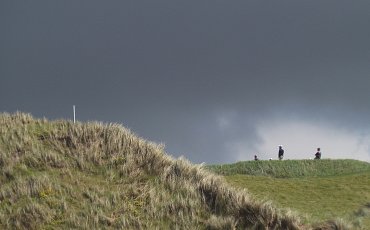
(318, 154)
(255, 158)
(281, 152)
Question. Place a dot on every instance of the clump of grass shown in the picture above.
(332, 224)
(215, 222)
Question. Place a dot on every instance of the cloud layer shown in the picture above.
(215, 81)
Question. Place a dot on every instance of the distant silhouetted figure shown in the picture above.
(281, 152)
(318, 154)
(255, 158)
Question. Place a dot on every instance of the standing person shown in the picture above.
(281, 152)
(318, 154)
(255, 158)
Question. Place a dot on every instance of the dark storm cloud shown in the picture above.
(196, 75)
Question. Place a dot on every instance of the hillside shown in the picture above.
(56, 174)
(321, 189)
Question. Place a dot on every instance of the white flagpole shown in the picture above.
(74, 114)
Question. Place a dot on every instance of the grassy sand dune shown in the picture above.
(56, 174)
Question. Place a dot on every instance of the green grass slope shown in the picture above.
(60, 175)
(322, 189)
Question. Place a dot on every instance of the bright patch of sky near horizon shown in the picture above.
(300, 140)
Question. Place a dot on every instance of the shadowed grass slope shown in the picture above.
(91, 175)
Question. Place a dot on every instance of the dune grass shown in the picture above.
(321, 189)
(56, 174)
(320, 198)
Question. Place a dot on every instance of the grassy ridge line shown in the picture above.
(91, 175)
(293, 168)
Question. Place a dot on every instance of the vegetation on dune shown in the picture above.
(321, 198)
(90, 175)
(322, 189)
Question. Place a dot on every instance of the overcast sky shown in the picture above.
(215, 81)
